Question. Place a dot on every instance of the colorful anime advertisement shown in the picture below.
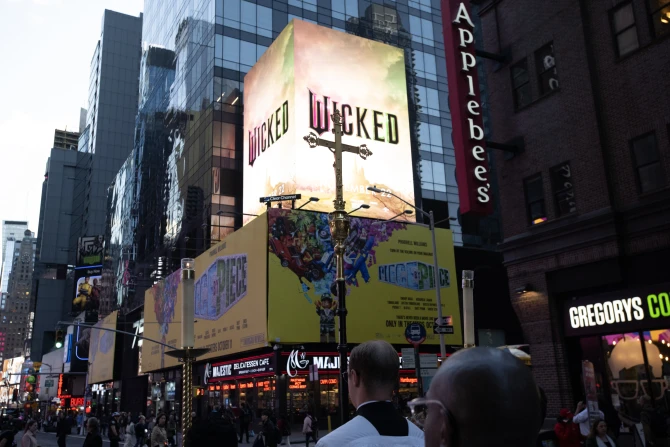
(390, 279)
(315, 71)
(101, 351)
(230, 293)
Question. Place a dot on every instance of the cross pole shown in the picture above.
(339, 230)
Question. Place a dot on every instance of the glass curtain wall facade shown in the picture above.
(186, 167)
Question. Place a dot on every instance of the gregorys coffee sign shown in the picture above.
(632, 311)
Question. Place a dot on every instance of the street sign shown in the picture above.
(280, 198)
(428, 361)
(415, 333)
(443, 326)
(49, 383)
(408, 358)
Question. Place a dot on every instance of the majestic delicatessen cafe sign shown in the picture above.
(626, 311)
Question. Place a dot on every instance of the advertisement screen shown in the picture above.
(389, 272)
(90, 251)
(87, 290)
(314, 71)
(230, 300)
(101, 352)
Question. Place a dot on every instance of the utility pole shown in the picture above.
(339, 231)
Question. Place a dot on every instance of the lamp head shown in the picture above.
(188, 264)
(313, 199)
(408, 212)
(365, 206)
(374, 189)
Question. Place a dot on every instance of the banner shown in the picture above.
(389, 275)
(367, 85)
(101, 352)
(90, 251)
(230, 300)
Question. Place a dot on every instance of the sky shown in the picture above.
(46, 48)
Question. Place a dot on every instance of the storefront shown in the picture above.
(290, 383)
(625, 335)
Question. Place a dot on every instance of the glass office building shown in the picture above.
(180, 190)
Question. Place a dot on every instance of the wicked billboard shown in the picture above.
(300, 101)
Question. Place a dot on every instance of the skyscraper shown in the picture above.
(64, 139)
(12, 228)
(110, 121)
(17, 311)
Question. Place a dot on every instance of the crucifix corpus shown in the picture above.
(339, 231)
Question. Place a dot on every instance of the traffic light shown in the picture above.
(60, 336)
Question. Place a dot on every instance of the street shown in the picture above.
(49, 440)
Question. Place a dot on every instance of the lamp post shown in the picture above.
(310, 200)
(187, 352)
(468, 285)
(338, 221)
(438, 292)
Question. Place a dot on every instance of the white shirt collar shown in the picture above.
(370, 402)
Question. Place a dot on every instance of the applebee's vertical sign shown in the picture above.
(472, 168)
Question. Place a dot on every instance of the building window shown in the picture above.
(546, 69)
(660, 16)
(521, 84)
(534, 191)
(625, 30)
(647, 163)
(562, 189)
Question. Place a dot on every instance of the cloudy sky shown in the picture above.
(45, 51)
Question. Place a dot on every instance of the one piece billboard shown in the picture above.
(302, 78)
(230, 301)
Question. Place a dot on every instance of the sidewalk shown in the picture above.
(296, 439)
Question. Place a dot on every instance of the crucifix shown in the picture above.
(339, 231)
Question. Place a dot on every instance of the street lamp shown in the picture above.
(187, 352)
(311, 199)
(438, 292)
(363, 206)
(468, 309)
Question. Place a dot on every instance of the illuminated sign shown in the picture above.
(409, 380)
(297, 383)
(647, 308)
(298, 362)
(306, 89)
(77, 402)
(472, 170)
(237, 369)
(328, 381)
(139, 330)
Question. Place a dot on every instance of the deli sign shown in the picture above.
(643, 309)
(472, 169)
(239, 369)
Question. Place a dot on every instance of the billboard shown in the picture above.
(87, 291)
(293, 90)
(389, 274)
(230, 293)
(90, 251)
(101, 352)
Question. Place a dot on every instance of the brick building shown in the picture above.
(586, 204)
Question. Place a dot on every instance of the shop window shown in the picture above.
(521, 84)
(563, 190)
(545, 62)
(535, 207)
(624, 29)
(647, 163)
(660, 16)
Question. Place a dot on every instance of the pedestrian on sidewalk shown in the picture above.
(114, 431)
(131, 438)
(140, 432)
(480, 397)
(159, 433)
(29, 439)
(598, 436)
(171, 429)
(371, 377)
(62, 430)
(93, 438)
(567, 431)
(307, 428)
(269, 429)
(284, 429)
(245, 420)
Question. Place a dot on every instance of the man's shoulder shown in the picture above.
(358, 427)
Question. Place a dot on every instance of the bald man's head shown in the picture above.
(491, 400)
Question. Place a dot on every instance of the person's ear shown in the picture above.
(357, 378)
